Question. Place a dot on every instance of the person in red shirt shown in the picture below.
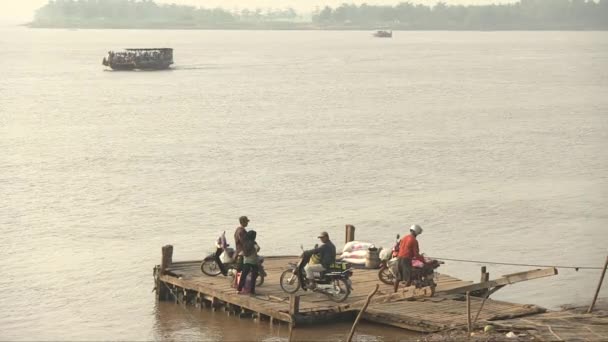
(408, 251)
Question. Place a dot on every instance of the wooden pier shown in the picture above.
(412, 309)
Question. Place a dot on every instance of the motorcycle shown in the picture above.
(210, 267)
(334, 282)
(388, 265)
(423, 273)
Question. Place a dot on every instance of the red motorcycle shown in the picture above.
(423, 273)
(388, 264)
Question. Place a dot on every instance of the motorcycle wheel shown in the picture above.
(386, 276)
(210, 268)
(344, 291)
(289, 281)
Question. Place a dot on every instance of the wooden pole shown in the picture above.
(167, 259)
(294, 308)
(481, 306)
(290, 337)
(162, 292)
(369, 297)
(599, 286)
(294, 305)
(469, 312)
(485, 277)
(350, 233)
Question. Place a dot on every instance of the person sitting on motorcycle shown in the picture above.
(221, 246)
(408, 251)
(327, 255)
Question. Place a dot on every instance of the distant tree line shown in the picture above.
(147, 13)
(526, 14)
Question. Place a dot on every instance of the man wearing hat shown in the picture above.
(327, 253)
(239, 235)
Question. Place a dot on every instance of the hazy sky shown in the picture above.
(22, 10)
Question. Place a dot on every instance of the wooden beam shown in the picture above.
(352, 330)
(504, 280)
(491, 292)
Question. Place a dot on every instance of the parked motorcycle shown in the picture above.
(210, 267)
(334, 282)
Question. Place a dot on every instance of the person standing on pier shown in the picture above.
(239, 239)
(408, 251)
(250, 262)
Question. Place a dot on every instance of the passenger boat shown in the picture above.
(383, 34)
(143, 59)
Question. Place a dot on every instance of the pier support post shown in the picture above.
(485, 277)
(162, 292)
(294, 309)
(469, 312)
(167, 259)
(294, 305)
(599, 286)
(350, 233)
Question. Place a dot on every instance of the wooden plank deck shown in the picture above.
(410, 309)
(443, 312)
(272, 301)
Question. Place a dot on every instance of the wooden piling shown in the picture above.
(469, 312)
(294, 309)
(369, 297)
(294, 305)
(162, 292)
(350, 233)
(167, 258)
(485, 276)
(290, 337)
(599, 286)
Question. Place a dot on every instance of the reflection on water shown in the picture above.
(174, 322)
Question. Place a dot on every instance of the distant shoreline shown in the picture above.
(294, 27)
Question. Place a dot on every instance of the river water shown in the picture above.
(494, 142)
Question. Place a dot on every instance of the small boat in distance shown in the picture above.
(142, 59)
(383, 34)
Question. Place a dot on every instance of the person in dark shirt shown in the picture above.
(327, 253)
(250, 261)
(239, 234)
(239, 241)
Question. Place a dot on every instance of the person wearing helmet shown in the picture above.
(408, 251)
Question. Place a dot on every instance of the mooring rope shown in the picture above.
(524, 265)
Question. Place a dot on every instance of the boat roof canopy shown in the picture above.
(149, 49)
